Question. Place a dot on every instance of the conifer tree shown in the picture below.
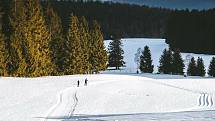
(98, 55)
(211, 69)
(200, 67)
(3, 56)
(177, 63)
(146, 61)
(85, 41)
(57, 43)
(165, 62)
(192, 68)
(75, 60)
(7, 10)
(30, 40)
(116, 54)
(18, 47)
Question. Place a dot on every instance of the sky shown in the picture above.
(173, 4)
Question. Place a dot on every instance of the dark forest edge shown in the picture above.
(190, 31)
(33, 44)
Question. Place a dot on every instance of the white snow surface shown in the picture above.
(58, 98)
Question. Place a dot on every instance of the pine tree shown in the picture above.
(30, 40)
(116, 54)
(3, 56)
(98, 55)
(177, 62)
(75, 60)
(57, 43)
(165, 62)
(211, 69)
(146, 61)
(192, 68)
(200, 67)
(18, 52)
(85, 40)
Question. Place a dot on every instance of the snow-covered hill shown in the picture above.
(156, 46)
(58, 98)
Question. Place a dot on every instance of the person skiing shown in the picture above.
(78, 83)
(85, 82)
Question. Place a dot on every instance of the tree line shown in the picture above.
(187, 30)
(192, 31)
(115, 18)
(181, 28)
(171, 61)
(33, 44)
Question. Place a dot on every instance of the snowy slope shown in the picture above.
(57, 98)
(156, 46)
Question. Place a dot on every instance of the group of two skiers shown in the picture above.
(85, 82)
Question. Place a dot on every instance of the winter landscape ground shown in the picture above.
(111, 95)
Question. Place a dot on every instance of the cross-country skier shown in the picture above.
(78, 83)
(85, 82)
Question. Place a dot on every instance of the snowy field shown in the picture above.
(111, 95)
(107, 97)
(156, 46)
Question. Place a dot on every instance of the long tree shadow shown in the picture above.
(84, 117)
(170, 116)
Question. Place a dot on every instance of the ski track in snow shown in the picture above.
(199, 101)
(63, 96)
(205, 100)
(75, 98)
(53, 108)
(211, 101)
(61, 99)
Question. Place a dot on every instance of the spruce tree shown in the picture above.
(98, 55)
(165, 62)
(116, 54)
(3, 56)
(57, 43)
(146, 61)
(75, 60)
(18, 45)
(177, 63)
(211, 69)
(7, 9)
(200, 67)
(192, 68)
(85, 41)
(30, 40)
